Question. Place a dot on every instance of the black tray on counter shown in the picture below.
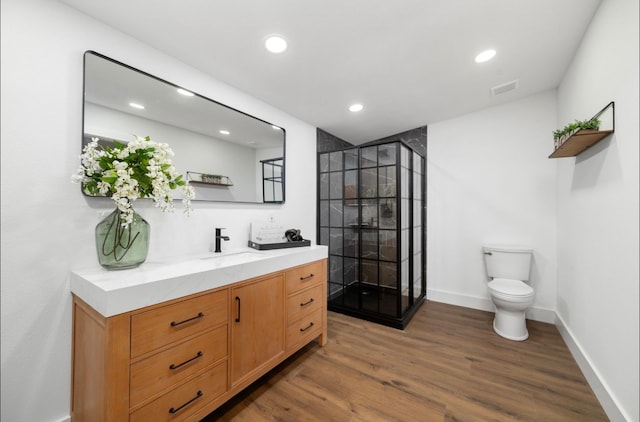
(282, 245)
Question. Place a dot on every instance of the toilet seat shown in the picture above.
(509, 289)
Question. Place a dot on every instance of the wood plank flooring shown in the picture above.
(447, 365)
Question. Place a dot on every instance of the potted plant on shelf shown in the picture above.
(561, 135)
(212, 178)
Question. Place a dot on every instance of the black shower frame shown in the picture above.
(402, 318)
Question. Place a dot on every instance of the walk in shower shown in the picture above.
(371, 216)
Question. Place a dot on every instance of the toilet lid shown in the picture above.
(510, 287)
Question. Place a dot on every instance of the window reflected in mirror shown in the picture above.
(272, 178)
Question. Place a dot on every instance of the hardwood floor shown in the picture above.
(447, 365)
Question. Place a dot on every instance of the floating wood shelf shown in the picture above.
(580, 141)
(196, 182)
(584, 139)
(202, 180)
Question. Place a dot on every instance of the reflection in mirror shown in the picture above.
(272, 173)
(226, 155)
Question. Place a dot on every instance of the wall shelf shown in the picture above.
(196, 178)
(584, 139)
(580, 141)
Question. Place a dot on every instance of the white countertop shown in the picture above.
(114, 292)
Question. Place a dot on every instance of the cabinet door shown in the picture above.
(257, 333)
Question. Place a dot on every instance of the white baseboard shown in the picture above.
(599, 387)
(66, 419)
(485, 304)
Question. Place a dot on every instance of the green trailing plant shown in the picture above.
(591, 124)
(212, 176)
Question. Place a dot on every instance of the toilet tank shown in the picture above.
(512, 262)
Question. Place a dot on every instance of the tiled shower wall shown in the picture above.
(416, 138)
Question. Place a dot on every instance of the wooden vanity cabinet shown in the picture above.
(257, 327)
(164, 362)
(306, 305)
(180, 360)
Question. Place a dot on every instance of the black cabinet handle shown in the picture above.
(238, 302)
(173, 411)
(309, 277)
(174, 366)
(175, 324)
(309, 302)
(307, 327)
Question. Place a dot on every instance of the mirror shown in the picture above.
(225, 154)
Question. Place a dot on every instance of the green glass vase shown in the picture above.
(119, 247)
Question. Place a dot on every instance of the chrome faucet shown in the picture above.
(219, 237)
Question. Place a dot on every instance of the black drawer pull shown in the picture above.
(307, 327)
(238, 302)
(307, 303)
(174, 366)
(173, 411)
(309, 277)
(175, 324)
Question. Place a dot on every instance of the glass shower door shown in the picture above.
(370, 216)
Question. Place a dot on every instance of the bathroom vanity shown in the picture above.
(172, 341)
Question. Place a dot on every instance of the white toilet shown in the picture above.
(508, 268)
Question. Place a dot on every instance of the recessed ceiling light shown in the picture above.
(356, 107)
(136, 105)
(185, 92)
(485, 56)
(225, 132)
(275, 43)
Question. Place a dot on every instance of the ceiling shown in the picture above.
(409, 62)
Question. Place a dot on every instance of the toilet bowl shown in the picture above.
(508, 268)
(511, 299)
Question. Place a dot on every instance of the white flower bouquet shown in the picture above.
(139, 169)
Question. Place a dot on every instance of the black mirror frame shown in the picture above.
(284, 133)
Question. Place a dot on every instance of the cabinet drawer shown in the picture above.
(304, 303)
(304, 276)
(304, 329)
(167, 324)
(169, 367)
(185, 400)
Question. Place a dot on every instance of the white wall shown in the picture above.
(489, 181)
(194, 152)
(47, 225)
(598, 212)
